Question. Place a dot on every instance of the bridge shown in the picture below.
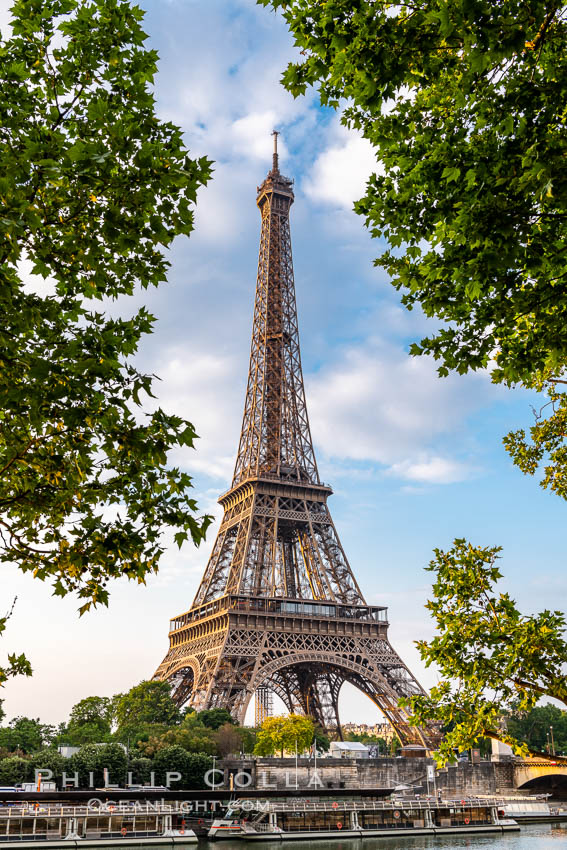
(540, 773)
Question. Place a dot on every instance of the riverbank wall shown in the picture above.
(344, 773)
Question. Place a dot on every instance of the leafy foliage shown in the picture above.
(546, 444)
(147, 703)
(284, 734)
(191, 766)
(464, 105)
(321, 740)
(248, 738)
(149, 723)
(89, 722)
(197, 739)
(93, 189)
(94, 759)
(25, 735)
(365, 738)
(214, 718)
(46, 759)
(544, 728)
(228, 740)
(13, 770)
(18, 665)
(491, 657)
(141, 769)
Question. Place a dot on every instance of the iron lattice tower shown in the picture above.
(278, 607)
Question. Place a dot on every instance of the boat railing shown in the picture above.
(362, 805)
(58, 810)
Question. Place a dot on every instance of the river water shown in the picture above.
(532, 837)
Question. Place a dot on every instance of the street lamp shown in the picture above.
(552, 741)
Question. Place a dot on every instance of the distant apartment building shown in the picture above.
(377, 730)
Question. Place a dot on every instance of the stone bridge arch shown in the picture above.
(540, 774)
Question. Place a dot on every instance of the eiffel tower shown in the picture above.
(278, 608)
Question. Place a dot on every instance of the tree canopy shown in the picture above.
(214, 718)
(94, 759)
(94, 187)
(493, 660)
(544, 728)
(145, 704)
(464, 105)
(90, 721)
(286, 733)
(133, 734)
(25, 735)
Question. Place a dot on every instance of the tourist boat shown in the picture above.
(525, 808)
(261, 820)
(125, 823)
(535, 809)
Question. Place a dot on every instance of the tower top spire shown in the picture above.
(275, 166)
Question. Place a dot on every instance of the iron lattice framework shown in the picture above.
(278, 607)
(264, 705)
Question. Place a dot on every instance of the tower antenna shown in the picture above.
(275, 134)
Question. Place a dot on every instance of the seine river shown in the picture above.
(532, 837)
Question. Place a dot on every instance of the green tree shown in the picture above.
(464, 105)
(492, 658)
(89, 721)
(13, 770)
(197, 740)
(394, 746)
(544, 728)
(46, 759)
(140, 769)
(196, 733)
(321, 740)
(286, 733)
(228, 740)
(248, 737)
(198, 766)
(94, 188)
(94, 759)
(364, 738)
(25, 734)
(214, 718)
(192, 767)
(146, 704)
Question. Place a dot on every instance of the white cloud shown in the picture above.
(431, 470)
(207, 389)
(252, 135)
(374, 403)
(340, 173)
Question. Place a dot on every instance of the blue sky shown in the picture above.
(414, 460)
